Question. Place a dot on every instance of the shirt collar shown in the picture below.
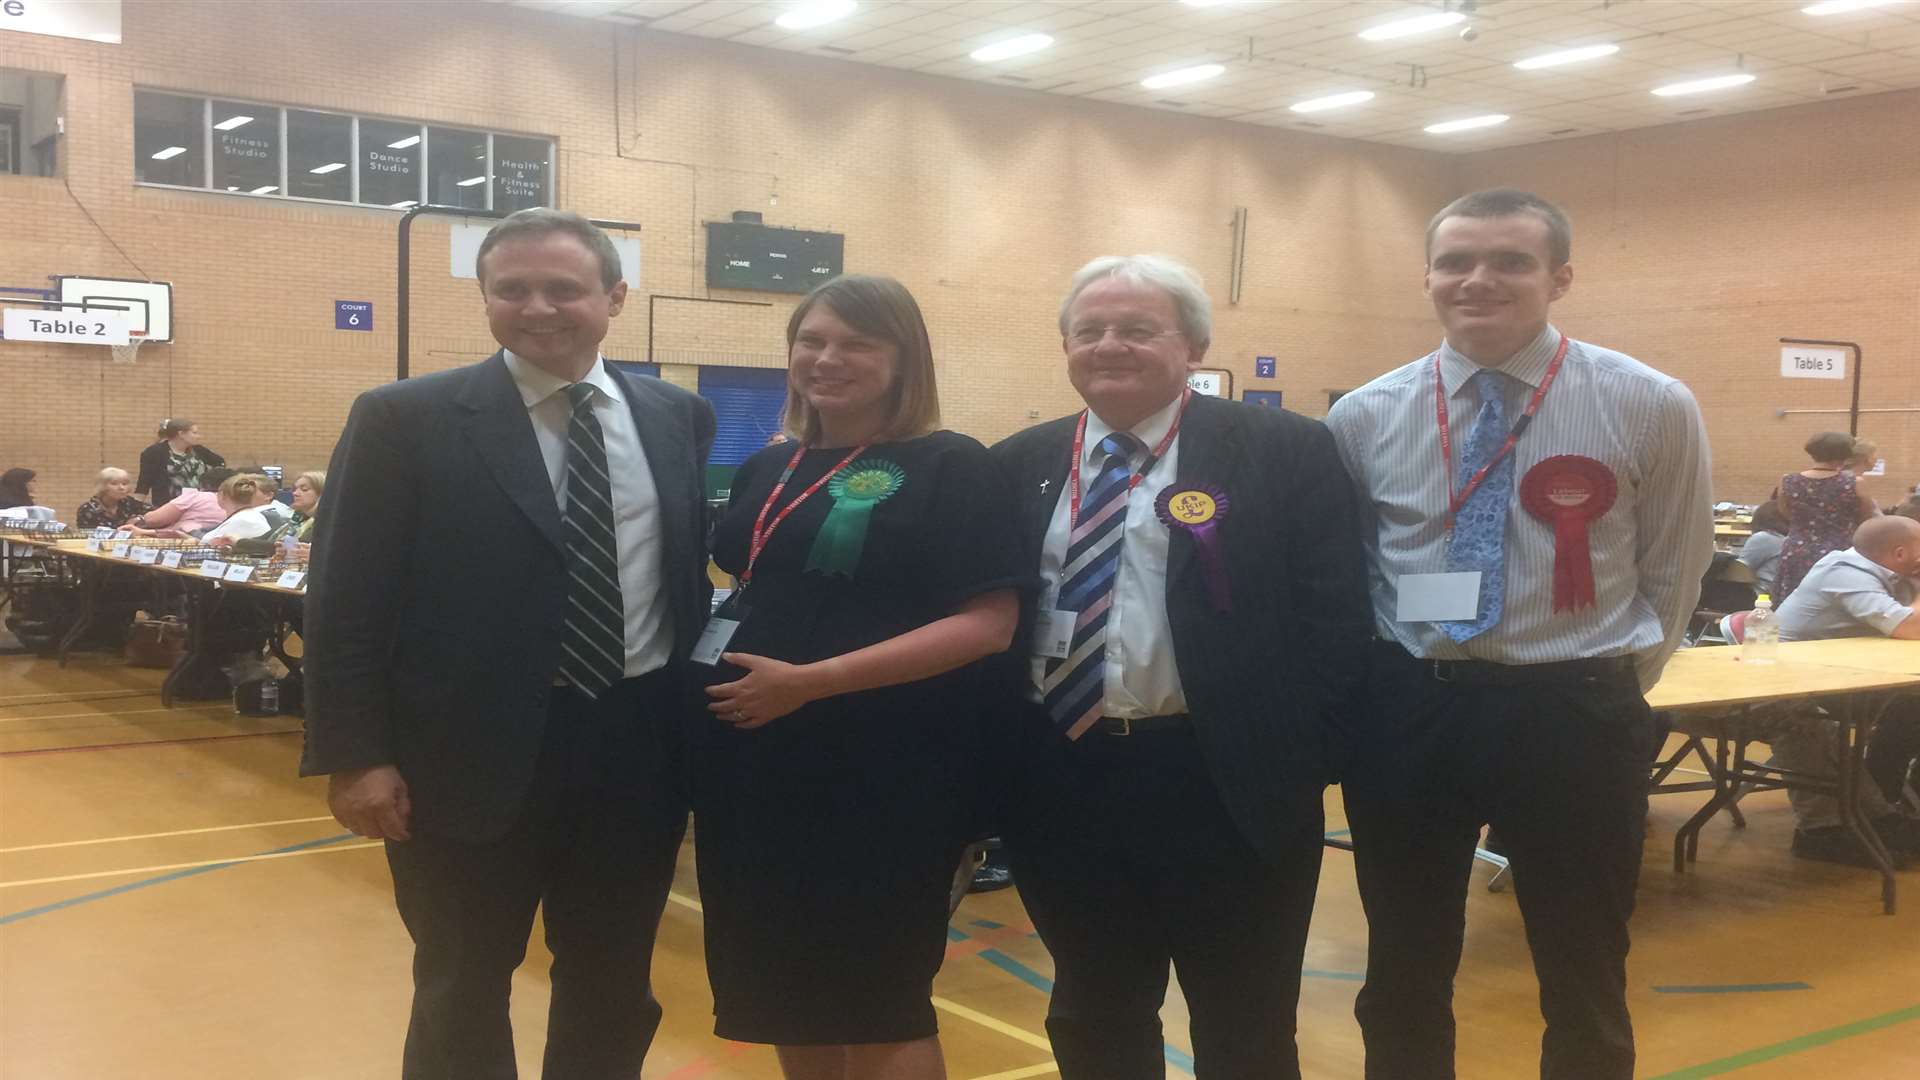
(1149, 431)
(536, 384)
(1852, 557)
(1529, 365)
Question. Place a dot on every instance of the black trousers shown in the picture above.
(1558, 766)
(594, 849)
(1894, 746)
(1126, 861)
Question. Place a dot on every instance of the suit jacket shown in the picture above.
(438, 587)
(1271, 685)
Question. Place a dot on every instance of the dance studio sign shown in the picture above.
(89, 20)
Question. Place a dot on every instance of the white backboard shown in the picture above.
(148, 304)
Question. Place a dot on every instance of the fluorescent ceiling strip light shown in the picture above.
(1701, 86)
(265, 189)
(1182, 76)
(1417, 24)
(232, 122)
(170, 152)
(819, 13)
(411, 140)
(471, 180)
(332, 166)
(1470, 123)
(1565, 56)
(1010, 48)
(1841, 7)
(1332, 101)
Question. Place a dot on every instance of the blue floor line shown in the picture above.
(1733, 988)
(176, 875)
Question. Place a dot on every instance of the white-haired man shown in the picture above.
(1202, 629)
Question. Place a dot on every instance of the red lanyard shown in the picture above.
(1080, 446)
(762, 530)
(1455, 502)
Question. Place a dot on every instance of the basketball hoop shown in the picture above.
(125, 354)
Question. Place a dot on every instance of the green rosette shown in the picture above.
(856, 491)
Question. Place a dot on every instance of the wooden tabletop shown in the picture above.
(1859, 653)
(265, 580)
(1711, 677)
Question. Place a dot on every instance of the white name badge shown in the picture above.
(93, 543)
(291, 579)
(212, 568)
(123, 534)
(121, 548)
(1053, 633)
(170, 559)
(1439, 597)
(147, 555)
(102, 533)
(238, 572)
(713, 640)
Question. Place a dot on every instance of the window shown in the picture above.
(169, 139)
(521, 171)
(389, 163)
(246, 148)
(319, 156)
(30, 121)
(457, 167)
(279, 152)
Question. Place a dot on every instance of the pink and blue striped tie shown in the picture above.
(1075, 688)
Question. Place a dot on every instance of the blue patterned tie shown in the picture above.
(1480, 531)
(1075, 688)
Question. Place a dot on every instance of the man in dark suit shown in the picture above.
(1202, 629)
(506, 584)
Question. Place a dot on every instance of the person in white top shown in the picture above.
(251, 512)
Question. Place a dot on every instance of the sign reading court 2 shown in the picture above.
(89, 20)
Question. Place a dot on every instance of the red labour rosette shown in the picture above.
(1570, 493)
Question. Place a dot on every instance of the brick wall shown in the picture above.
(1697, 245)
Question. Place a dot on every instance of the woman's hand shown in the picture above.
(771, 690)
(221, 542)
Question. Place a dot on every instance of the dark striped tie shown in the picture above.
(594, 645)
(1075, 688)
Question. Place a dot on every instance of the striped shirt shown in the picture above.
(1649, 551)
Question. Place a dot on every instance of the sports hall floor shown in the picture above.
(175, 904)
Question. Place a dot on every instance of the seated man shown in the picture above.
(1866, 590)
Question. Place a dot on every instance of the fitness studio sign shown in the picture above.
(90, 20)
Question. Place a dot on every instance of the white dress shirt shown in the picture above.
(1648, 551)
(1141, 678)
(1846, 594)
(636, 503)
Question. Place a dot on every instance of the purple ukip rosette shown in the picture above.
(1199, 509)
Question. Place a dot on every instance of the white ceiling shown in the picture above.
(1278, 52)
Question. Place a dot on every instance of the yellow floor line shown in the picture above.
(1045, 1068)
(992, 1024)
(20, 700)
(189, 865)
(944, 1005)
(161, 835)
(190, 713)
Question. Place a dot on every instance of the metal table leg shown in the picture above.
(1851, 732)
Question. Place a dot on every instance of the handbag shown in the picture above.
(156, 643)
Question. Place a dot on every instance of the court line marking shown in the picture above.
(84, 898)
(188, 865)
(143, 742)
(19, 701)
(161, 835)
(90, 715)
(1810, 1041)
(1733, 988)
(1045, 1068)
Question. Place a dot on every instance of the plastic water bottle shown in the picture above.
(270, 697)
(1760, 640)
(289, 546)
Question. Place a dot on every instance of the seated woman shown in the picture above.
(251, 511)
(306, 504)
(1761, 552)
(113, 504)
(189, 513)
(16, 488)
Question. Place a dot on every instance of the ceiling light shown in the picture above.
(1565, 56)
(471, 180)
(411, 140)
(1841, 7)
(1470, 123)
(232, 122)
(1205, 3)
(818, 13)
(265, 189)
(170, 152)
(1010, 48)
(1182, 76)
(1416, 24)
(1332, 101)
(402, 204)
(332, 166)
(1701, 86)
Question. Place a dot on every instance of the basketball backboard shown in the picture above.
(148, 304)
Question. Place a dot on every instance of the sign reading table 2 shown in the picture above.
(353, 315)
(71, 326)
(1809, 362)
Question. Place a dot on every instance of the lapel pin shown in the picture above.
(1044, 485)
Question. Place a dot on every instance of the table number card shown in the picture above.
(170, 559)
(213, 568)
(291, 579)
(238, 572)
(121, 548)
(146, 555)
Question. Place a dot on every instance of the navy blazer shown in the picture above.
(1272, 683)
(438, 586)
